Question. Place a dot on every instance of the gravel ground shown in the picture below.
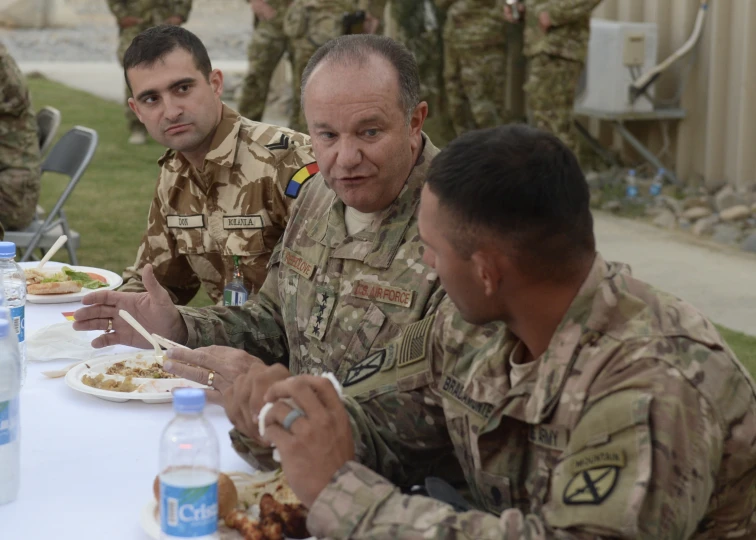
(223, 25)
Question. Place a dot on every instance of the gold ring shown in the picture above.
(210, 378)
(110, 326)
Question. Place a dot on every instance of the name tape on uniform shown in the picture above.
(252, 221)
(553, 437)
(196, 221)
(453, 387)
(383, 293)
(299, 264)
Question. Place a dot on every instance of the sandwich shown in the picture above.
(64, 281)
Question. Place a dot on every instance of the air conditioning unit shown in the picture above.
(618, 52)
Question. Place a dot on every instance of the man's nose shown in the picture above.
(349, 153)
(172, 109)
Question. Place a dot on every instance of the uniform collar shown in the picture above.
(378, 244)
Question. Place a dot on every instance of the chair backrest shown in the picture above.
(70, 156)
(48, 122)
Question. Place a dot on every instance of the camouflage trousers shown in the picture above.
(125, 37)
(267, 47)
(19, 194)
(550, 89)
(475, 81)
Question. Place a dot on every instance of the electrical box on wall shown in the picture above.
(617, 53)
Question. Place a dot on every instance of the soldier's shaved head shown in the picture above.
(357, 49)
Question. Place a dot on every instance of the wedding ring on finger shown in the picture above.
(109, 329)
(210, 378)
(291, 418)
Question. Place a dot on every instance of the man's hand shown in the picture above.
(153, 309)
(544, 21)
(245, 399)
(317, 444)
(175, 20)
(129, 21)
(262, 10)
(509, 17)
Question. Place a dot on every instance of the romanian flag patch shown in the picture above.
(300, 177)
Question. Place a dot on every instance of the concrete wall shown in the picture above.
(715, 143)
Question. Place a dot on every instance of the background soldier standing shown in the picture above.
(134, 16)
(475, 64)
(556, 44)
(266, 49)
(19, 148)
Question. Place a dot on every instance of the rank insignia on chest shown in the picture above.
(300, 177)
(321, 312)
(365, 369)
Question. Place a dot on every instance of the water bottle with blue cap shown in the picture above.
(189, 466)
(658, 183)
(632, 185)
(14, 285)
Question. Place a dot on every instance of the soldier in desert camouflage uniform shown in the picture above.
(266, 48)
(226, 199)
(310, 24)
(556, 44)
(348, 274)
(133, 17)
(588, 405)
(19, 148)
(475, 64)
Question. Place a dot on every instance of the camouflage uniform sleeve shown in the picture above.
(118, 8)
(15, 97)
(566, 11)
(687, 435)
(158, 248)
(257, 326)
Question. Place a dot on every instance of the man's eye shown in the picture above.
(150, 99)
(371, 132)
(184, 88)
(327, 135)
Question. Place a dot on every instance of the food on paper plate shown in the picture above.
(277, 520)
(63, 281)
(154, 371)
(108, 383)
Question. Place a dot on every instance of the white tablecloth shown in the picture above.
(87, 464)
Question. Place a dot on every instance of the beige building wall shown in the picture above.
(716, 143)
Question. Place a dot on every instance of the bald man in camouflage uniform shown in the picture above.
(311, 23)
(134, 16)
(556, 44)
(617, 412)
(475, 63)
(19, 148)
(267, 47)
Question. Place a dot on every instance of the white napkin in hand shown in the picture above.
(61, 342)
(290, 402)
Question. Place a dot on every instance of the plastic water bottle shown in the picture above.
(658, 183)
(189, 471)
(632, 185)
(10, 386)
(234, 293)
(14, 285)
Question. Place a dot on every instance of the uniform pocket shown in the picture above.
(189, 241)
(245, 242)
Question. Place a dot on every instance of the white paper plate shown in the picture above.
(162, 387)
(114, 281)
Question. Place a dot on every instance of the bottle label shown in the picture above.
(17, 317)
(187, 512)
(234, 298)
(8, 421)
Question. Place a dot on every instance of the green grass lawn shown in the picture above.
(109, 206)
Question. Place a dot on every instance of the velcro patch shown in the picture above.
(300, 177)
(365, 369)
(299, 264)
(454, 388)
(321, 312)
(382, 293)
(553, 437)
(414, 344)
(592, 486)
(196, 221)
(251, 221)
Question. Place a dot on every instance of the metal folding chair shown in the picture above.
(70, 156)
(48, 122)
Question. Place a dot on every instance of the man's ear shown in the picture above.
(216, 81)
(133, 107)
(416, 124)
(487, 270)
